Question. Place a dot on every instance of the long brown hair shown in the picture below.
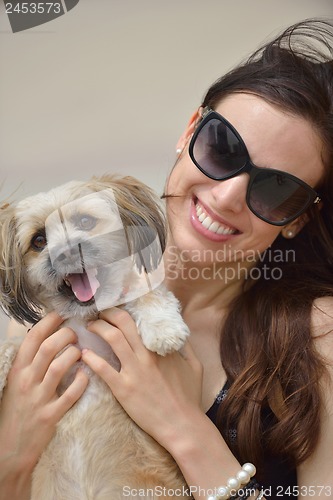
(266, 345)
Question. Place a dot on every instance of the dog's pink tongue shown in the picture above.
(84, 285)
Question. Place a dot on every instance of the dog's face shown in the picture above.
(80, 248)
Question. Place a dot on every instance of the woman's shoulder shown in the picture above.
(322, 330)
(317, 468)
(322, 318)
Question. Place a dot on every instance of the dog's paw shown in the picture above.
(164, 335)
(159, 321)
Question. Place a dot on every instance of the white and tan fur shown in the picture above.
(97, 449)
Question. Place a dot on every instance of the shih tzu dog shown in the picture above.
(79, 249)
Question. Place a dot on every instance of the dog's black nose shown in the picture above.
(68, 256)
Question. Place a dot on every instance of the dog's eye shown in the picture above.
(38, 241)
(85, 222)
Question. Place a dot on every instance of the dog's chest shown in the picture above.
(96, 389)
(89, 340)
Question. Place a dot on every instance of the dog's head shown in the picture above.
(80, 248)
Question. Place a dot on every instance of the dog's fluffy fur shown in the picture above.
(97, 449)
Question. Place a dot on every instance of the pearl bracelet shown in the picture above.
(261, 495)
(235, 482)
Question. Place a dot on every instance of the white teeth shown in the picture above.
(213, 226)
(207, 222)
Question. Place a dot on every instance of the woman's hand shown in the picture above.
(31, 408)
(163, 396)
(157, 392)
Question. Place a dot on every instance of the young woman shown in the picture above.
(250, 211)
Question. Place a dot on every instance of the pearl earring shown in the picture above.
(290, 233)
(178, 151)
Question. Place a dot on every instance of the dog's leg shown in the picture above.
(8, 351)
(160, 324)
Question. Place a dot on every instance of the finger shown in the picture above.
(36, 335)
(72, 394)
(100, 367)
(124, 322)
(49, 348)
(114, 337)
(58, 368)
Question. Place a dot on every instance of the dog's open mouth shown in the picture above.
(83, 285)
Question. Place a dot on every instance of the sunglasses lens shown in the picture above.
(277, 197)
(218, 151)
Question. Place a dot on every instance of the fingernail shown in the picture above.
(84, 351)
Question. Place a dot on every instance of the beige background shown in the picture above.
(109, 86)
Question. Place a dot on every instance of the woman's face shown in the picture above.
(274, 139)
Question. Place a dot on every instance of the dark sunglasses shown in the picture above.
(220, 153)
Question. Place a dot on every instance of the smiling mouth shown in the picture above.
(212, 225)
(82, 285)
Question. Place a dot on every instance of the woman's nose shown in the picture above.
(230, 194)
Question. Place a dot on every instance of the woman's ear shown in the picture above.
(293, 228)
(189, 130)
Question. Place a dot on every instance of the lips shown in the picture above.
(209, 222)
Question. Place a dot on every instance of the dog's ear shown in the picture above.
(15, 299)
(143, 242)
(144, 221)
